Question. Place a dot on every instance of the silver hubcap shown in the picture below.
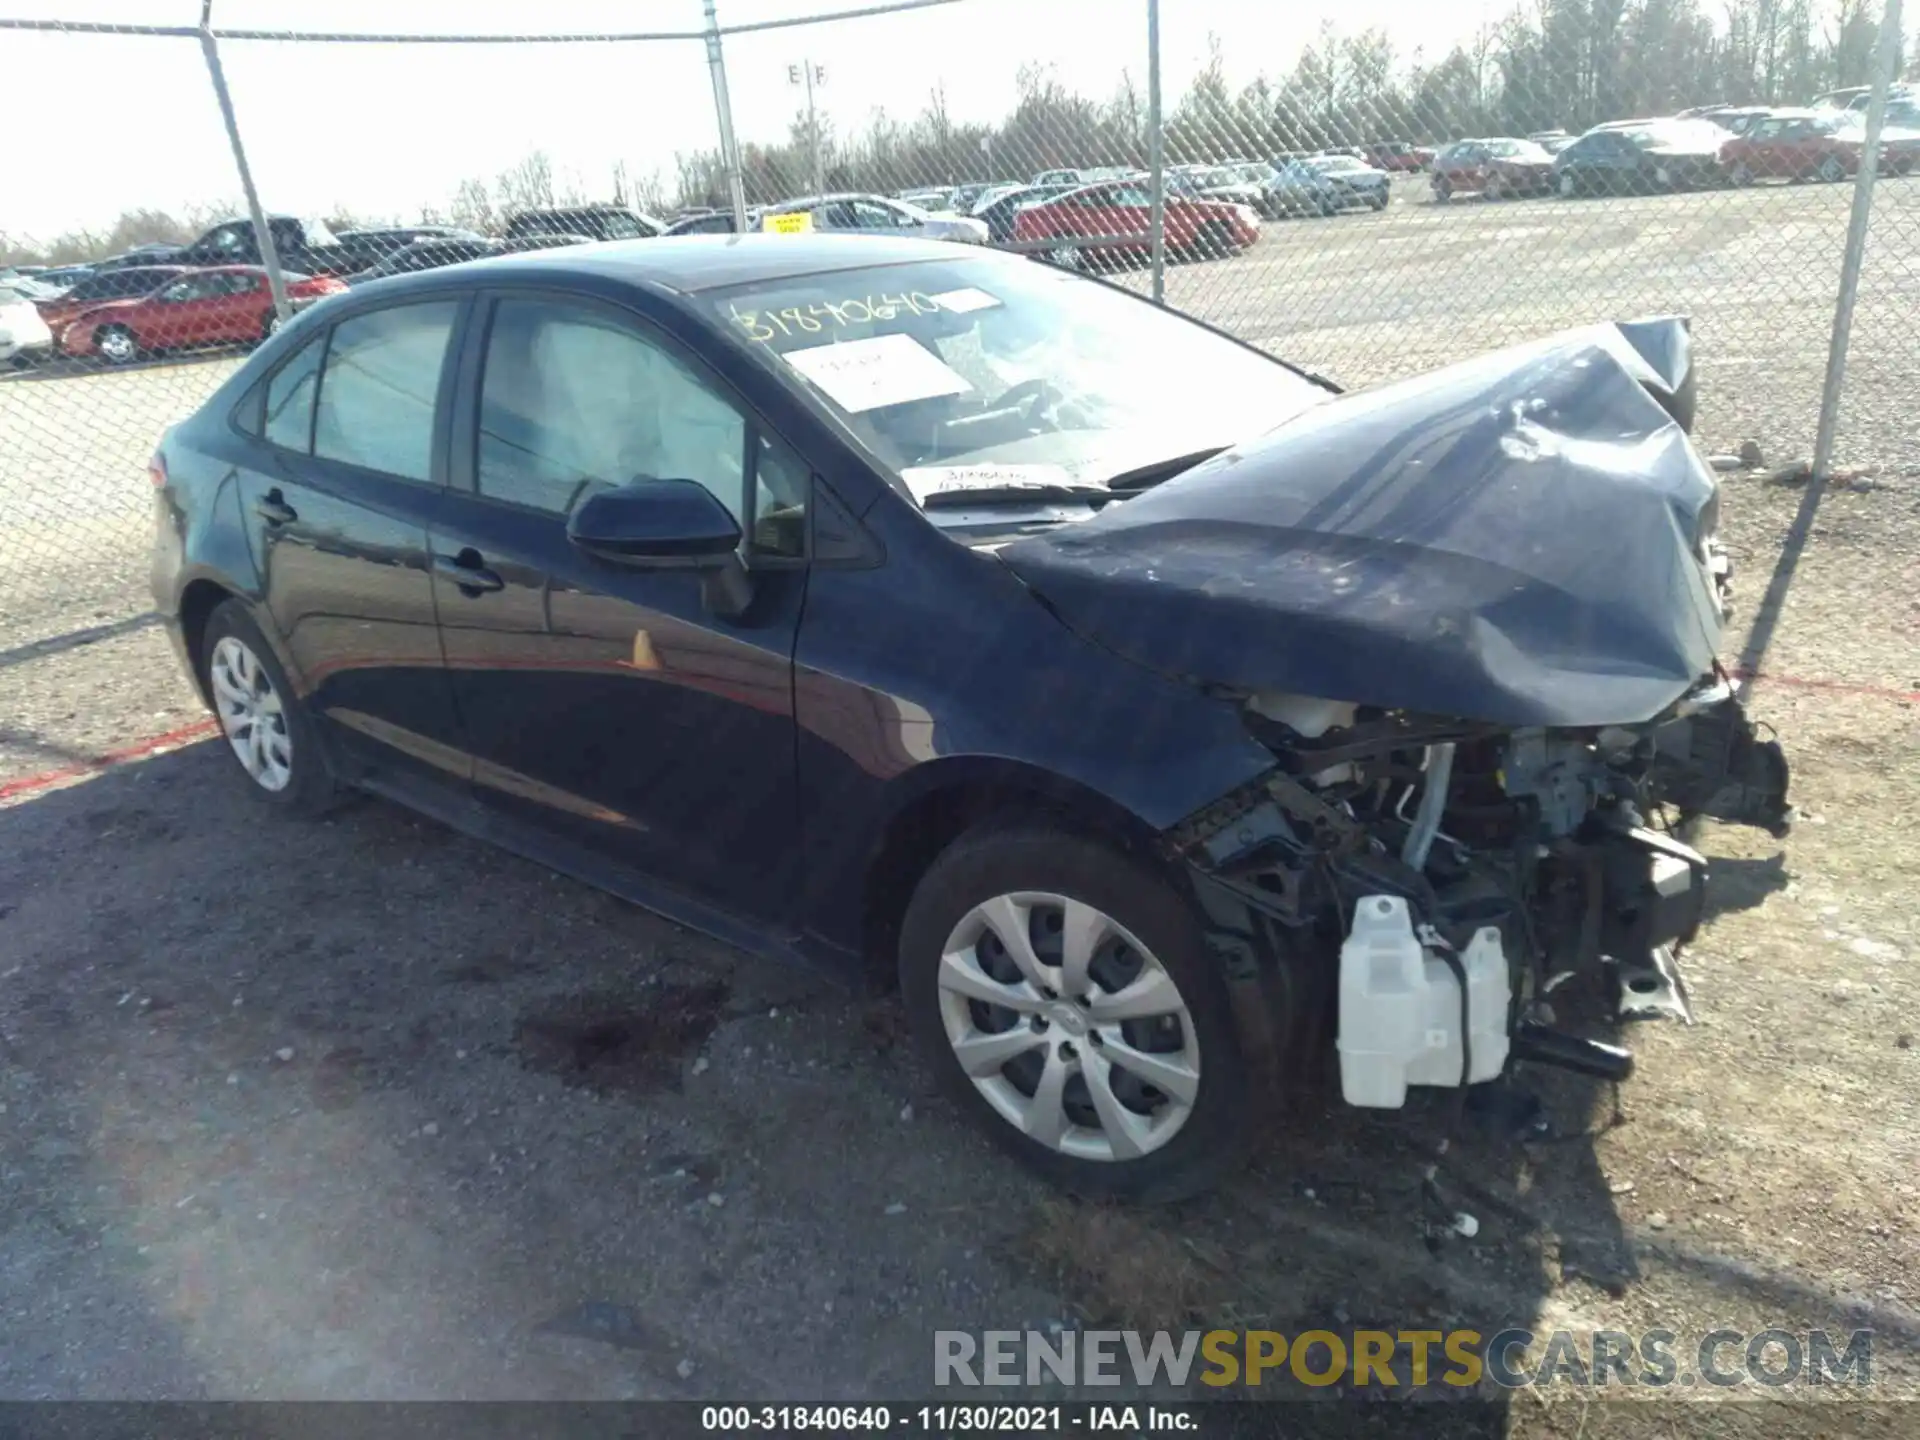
(1069, 1027)
(1566, 184)
(117, 345)
(251, 714)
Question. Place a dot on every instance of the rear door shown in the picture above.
(605, 705)
(238, 309)
(352, 457)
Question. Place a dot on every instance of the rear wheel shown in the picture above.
(1442, 191)
(1569, 186)
(265, 725)
(1741, 174)
(1064, 994)
(115, 343)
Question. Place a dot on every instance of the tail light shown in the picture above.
(157, 470)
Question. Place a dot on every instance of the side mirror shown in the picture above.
(668, 525)
(658, 524)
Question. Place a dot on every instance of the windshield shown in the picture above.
(1517, 150)
(978, 373)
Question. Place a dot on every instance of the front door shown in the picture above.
(603, 703)
(336, 508)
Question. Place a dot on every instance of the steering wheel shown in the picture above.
(1037, 395)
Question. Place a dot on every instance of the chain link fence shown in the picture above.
(1364, 210)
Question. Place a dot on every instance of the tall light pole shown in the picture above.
(810, 74)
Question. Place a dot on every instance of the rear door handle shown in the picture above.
(468, 571)
(273, 509)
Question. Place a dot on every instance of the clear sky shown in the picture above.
(105, 123)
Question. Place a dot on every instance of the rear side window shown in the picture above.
(289, 417)
(379, 388)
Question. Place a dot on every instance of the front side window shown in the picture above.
(572, 402)
(379, 387)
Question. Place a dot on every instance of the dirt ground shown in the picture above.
(359, 1108)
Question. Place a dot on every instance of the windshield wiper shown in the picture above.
(1143, 477)
(1013, 495)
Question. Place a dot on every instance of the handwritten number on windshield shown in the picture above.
(764, 326)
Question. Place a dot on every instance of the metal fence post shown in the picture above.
(723, 113)
(1156, 156)
(262, 232)
(1886, 63)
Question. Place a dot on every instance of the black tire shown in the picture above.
(1379, 202)
(996, 860)
(312, 789)
(1442, 190)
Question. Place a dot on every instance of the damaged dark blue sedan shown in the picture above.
(1161, 715)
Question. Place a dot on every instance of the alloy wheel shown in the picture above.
(116, 344)
(1070, 1028)
(252, 714)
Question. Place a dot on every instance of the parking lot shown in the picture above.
(360, 1108)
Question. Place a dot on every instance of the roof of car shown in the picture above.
(693, 263)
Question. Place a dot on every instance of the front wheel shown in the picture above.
(1569, 187)
(1064, 994)
(1442, 191)
(1741, 174)
(265, 725)
(115, 344)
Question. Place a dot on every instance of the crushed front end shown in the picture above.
(1436, 880)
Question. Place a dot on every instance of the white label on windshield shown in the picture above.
(962, 301)
(871, 374)
(925, 480)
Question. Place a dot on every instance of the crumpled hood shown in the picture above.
(1515, 539)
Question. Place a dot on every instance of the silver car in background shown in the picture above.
(882, 215)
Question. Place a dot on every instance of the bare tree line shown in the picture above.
(1551, 64)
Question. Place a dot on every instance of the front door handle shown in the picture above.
(273, 509)
(468, 571)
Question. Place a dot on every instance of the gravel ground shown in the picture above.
(361, 1109)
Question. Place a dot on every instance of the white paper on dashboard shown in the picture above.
(962, 301)
(871, 374)
(925, 480)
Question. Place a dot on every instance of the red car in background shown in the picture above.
(1800, 145)
(230, 304)
(1398, 155)
(1497, 168)
(127, 283)
(1118, 215)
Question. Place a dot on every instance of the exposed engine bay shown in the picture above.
(1461, 867)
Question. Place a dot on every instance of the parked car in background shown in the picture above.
(1499, 168)
(62, 277)
(526, 244)
(153, 253)
(1840, 99)
(1641, 157)
(881, 215)
(1083, 177)
(939, 199)
(429, 254)
(1000, 207)
(965, 197)
(1806, 145)
(24, 336)
(304, 245)
(122, 284)
(1223, 182)
(1397, 156)
(600, 222)
(711, 222)
(1112, 222)
(1551, 141)
(228, 305)
(378, 244)
(1734, 119)
(1326, 184)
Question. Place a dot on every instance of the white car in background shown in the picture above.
(881, 215)
(24, 336)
